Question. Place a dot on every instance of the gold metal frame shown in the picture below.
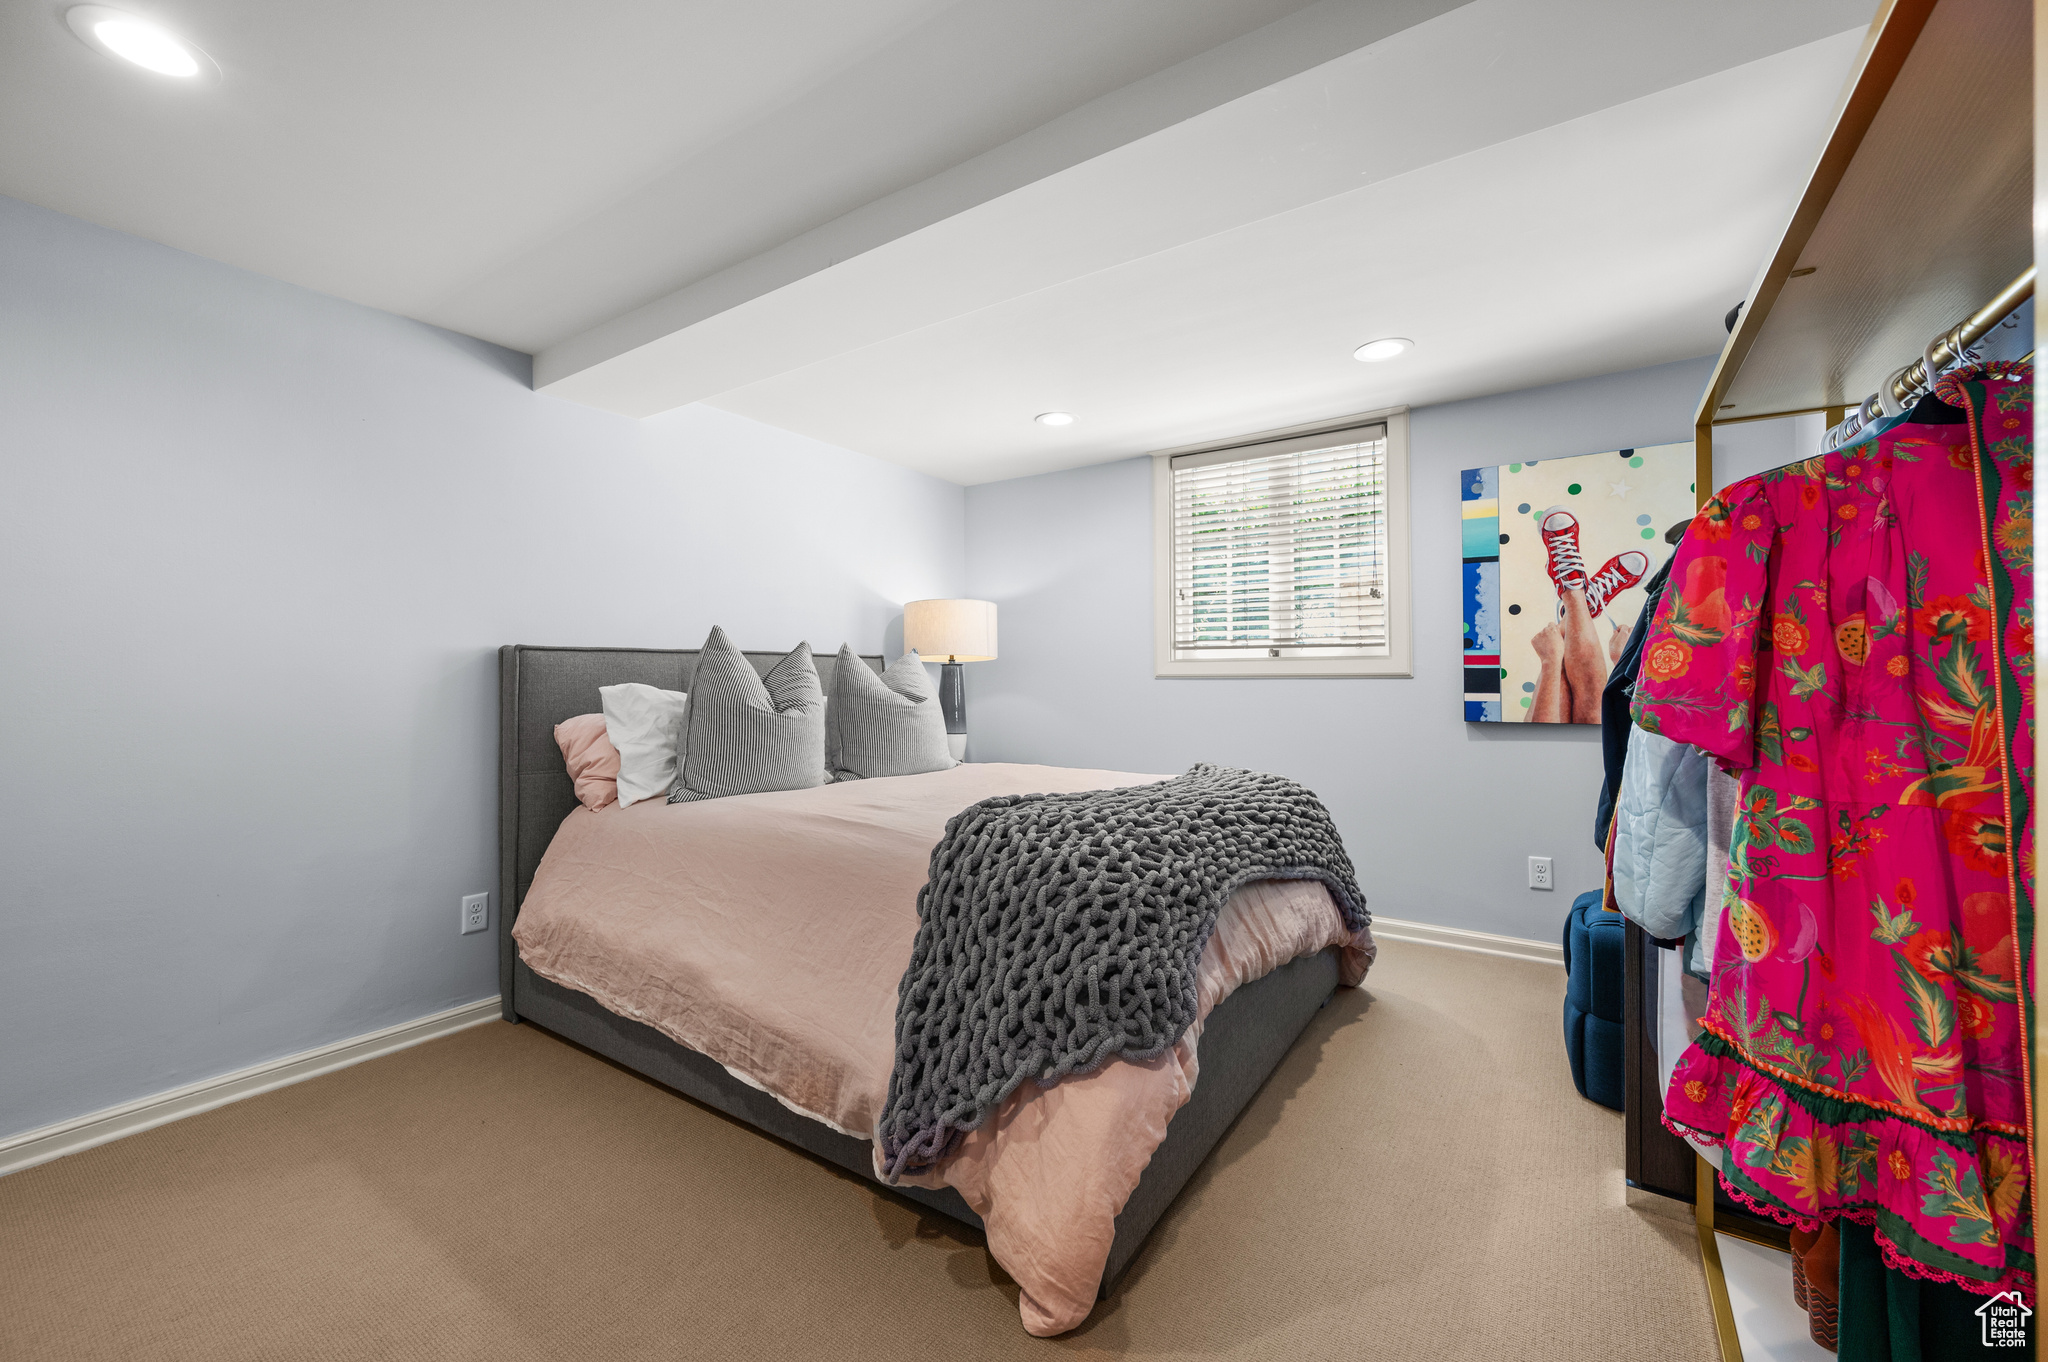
(1890, 40)
(1885, 49)
(1710, 1260)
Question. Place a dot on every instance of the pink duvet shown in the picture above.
(770, 932)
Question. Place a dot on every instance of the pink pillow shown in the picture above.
(593, 761)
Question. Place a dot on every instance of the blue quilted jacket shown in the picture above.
(1660, 848)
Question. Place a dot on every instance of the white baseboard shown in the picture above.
(1458, 939)
(32, 1147)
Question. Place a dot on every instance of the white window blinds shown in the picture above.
(1282, 554)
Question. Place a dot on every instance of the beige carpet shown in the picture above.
(1417, 1181)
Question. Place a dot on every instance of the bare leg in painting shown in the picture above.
(1552, 704)
(1585, 661)
(1575, 659)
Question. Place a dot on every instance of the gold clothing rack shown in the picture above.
(1919, 204)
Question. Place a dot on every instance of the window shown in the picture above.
(1285, 556)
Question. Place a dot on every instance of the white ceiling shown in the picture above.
(523, 172)
(1607, 242)
(907, 226)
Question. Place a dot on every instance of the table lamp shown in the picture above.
(957, 631)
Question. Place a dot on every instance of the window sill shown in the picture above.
(1281, 668)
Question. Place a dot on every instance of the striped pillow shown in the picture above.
(887, 725)
(748, 734)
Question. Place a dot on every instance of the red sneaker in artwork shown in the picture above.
(1561, 545)
(1615, 576)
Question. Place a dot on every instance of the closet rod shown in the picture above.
(1948, 347)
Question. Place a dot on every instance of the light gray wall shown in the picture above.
(259, 548)
(1440, 815)
(1754, 446)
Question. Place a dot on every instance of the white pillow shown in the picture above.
(642, 722)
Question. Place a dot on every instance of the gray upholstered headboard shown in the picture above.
(537, 689)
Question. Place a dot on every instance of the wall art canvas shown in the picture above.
(1556, 553)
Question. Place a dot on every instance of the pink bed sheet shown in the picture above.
(770, 933)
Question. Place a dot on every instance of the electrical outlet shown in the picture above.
(1539, 872)
(476, 912)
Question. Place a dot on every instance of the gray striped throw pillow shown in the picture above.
(887, 725)
(748, 734)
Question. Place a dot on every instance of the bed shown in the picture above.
(1242, 1041)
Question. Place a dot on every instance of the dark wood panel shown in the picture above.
(1657, 1160)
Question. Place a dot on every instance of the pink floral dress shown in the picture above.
(1854, 636)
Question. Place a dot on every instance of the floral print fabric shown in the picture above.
(1854, 636)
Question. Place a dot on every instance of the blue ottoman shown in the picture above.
(1593, 1032)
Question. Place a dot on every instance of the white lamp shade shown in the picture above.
(958, 631)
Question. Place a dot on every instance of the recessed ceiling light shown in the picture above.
(137, 40)
(1372, 352)
(1055, 418)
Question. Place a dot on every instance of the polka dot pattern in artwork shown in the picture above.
(1621, 500)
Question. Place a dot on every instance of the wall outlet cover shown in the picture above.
(1539, 872)
(476, 913)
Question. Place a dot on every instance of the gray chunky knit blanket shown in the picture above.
(1061, 930)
